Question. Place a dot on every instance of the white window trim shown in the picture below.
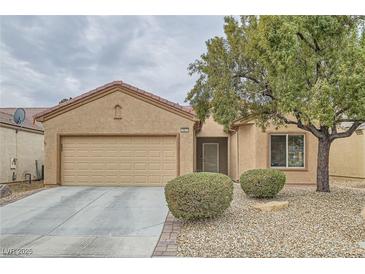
(217, 144)
(287, 151)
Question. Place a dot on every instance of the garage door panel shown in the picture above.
(154, 166)
(169, 154)
(139, 152)
(154, 153)
(118, 160)
(154, 179)
(166, 178)
(125, 166)
(168, 166)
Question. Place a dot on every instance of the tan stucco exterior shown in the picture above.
(249, 149)
(118, 110)
(233, 159)
(252, 147)
(26, 146)
(306, 175)
(347, 158)
(211, 128)
(96, 117)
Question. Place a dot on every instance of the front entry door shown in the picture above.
(211, 157)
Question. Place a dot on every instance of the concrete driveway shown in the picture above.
(84, 222)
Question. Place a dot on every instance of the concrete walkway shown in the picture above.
(84, 222)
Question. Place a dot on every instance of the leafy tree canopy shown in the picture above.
(302, 70)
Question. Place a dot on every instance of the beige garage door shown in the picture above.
(118, 160)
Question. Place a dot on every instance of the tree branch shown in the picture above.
(317, 48)
(301, 36)
(286, 120)
(351, 120)
(318, 66)
(346, 133)
(248, 78)
(341, 111)
(267, 92)
(310, 127)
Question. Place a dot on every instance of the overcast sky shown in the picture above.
(45, 59)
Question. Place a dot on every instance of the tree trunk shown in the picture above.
(324, 145)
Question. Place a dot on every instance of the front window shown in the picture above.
(287, 150)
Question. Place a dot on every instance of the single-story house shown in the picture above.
(347, 157)
(118, 134)
(21, 147)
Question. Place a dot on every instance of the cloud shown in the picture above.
(47, 58)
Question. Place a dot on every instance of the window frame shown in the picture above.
(286, 167)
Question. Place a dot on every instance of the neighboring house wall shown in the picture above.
(97, 117)
(26, 146)
(347, 158)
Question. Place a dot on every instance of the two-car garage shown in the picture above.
(118, 160)
(117, 135)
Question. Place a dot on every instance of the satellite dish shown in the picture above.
(19, 116)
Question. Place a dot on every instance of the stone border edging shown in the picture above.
(166, 245)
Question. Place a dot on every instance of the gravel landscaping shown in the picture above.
(314, 225)
(21, 190)
(343, 183)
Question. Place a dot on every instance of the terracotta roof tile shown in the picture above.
(189, 108)
(122, 84)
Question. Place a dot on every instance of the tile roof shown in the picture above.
(6, 117)
(186, 109)
(189, 108)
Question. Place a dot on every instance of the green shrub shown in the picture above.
(199, 195)
(262, 183)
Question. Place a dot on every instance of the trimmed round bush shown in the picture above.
(199, 195)
(262, 183)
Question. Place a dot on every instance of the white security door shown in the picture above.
(211, 157)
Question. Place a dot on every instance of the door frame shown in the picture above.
(224, 152)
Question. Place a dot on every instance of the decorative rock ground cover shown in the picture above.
(314, 225)
(4, 191)
(271, 206)
(20, 191)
